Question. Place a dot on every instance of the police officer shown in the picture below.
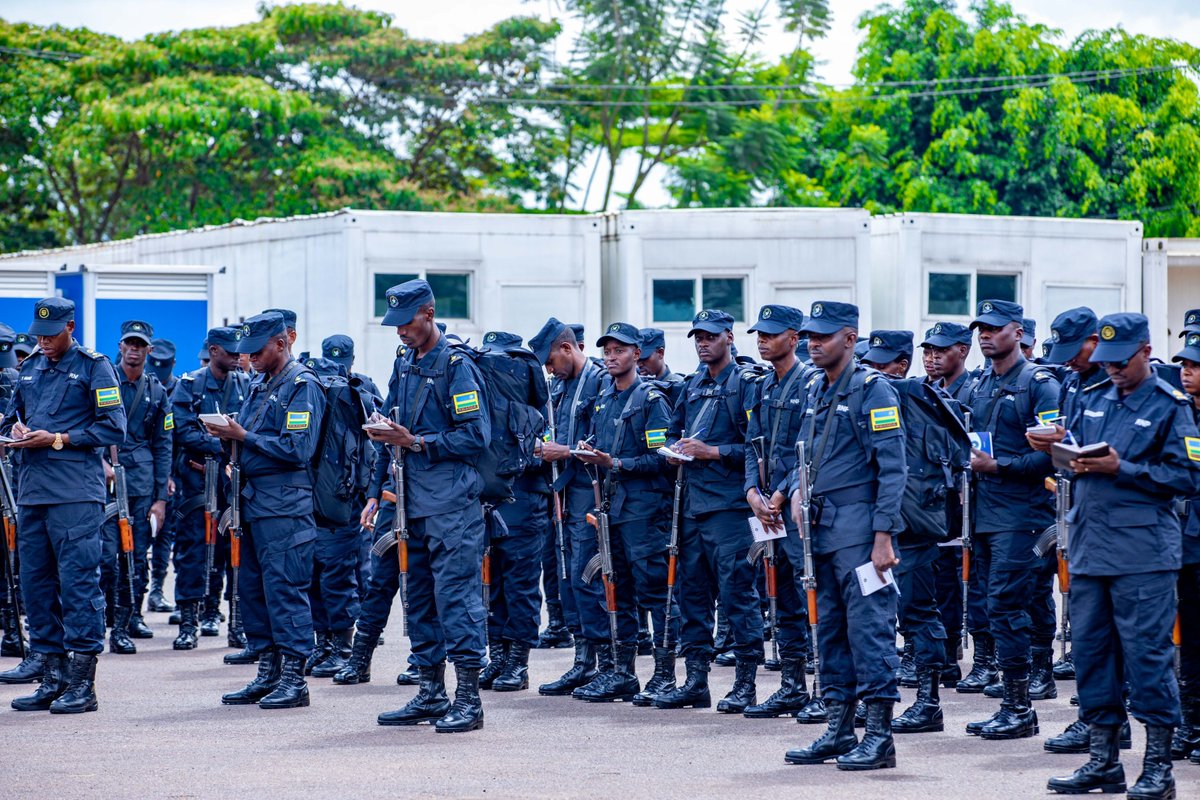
(146, 458)
(161, 362)
(1125, 557)
(853, 430)
(628, 426)
(340, 349)
(13, 644)
(573, 392)
(289, 321)
(219, 388)
(23, 346)
(1028, 338)
(273, 439)
(1011, 508)
(945, 349)
(436, 392)
(67, 407)
(709, 426)
(775, 419)
(1187, 737)
(653, 363)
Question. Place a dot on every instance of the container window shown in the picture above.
(452, 293)
(949, 294)
(674, 300)
(726, 294)
(995, 287)
(385, 281)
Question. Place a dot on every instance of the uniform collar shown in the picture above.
(721, 376)
(1137, 397)
(775, 380)
(65, 363)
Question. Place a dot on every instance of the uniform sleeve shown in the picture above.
(295, 440)
(379, 474)
(189, 431)
(470, 429)
(160, 445)
(652, 436)
(108, 418)
(1033, 465)
(678, 422)
(1175, 473)
(733, 455)
(753, 429)
(885, 432)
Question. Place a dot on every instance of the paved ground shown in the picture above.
(162, 732)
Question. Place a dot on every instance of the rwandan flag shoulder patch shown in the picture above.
(885, 419)
(1193, 447)
(298, 420)
(466, 402)
(107, 398)
(169, 422)
(1048, 417)
(656, 438)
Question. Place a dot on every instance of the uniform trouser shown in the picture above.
(276, 570)
(792, 601)
(114, 576)
(60, 549)
(1043, 624)
(334, 591)
(1011, 567)
(712, 567)
(15, 567)
(550, 560)
(445, 586)
(192, 584)
(1189, 628)
(581, 601)
(947, 583)
(856, 634)
(919, 617)
(516, 603)
(366, 562)
(977, 590)
(640, 572)
(1121, 631)
(164, 541)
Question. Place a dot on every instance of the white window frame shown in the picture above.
(697, 280)
(973, 274)
(471, 270)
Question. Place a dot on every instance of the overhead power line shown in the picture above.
(48, 55)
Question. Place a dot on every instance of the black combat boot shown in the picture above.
(358, 665)
(951, 672)
(322, 649)
(723, 641)
(1076, 739)
(663, 679)
(247, 655)
(814, 713)
(290, 690)
(995, 691)
(694, 692)
(189, 622)
(411, 675)
(1187, 735)
(877, 750)
(54, 683)
(906, 674)
(515, 676)
(623, 681)
(1103, 770)
(12, 645)
(430, 703)
(791, 697)
(467, 712)
(118, 638)
(138, 629)
(1064, 668)
(174, 618)
(340, 643)
(925, 714)
(604, 670)
(497, 653)
(1041, 676)
(1156, 781)
(156, 602)
(210, 617)
(983, 667)
(645, 642)
(235, 635)
(555, 634)
(270, 665)
(745, 690)
(29, 670)
(581, 672)
(80, 694)
(1016, 718)
(837, 740)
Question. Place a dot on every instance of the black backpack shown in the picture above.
(341, 468)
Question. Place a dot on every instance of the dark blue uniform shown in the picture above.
(516, 560)
(61, 496)
(164, 539)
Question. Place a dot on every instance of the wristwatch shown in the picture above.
(58, 442)
(418, 445)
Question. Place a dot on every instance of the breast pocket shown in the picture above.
(65, 395)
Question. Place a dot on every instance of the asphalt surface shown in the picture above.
(162, 732)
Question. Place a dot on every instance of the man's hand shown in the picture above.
(31, 440)
(109, 474)
(1097, 465)
(233, 432)
(170, 487)
(158, 513)
(594, 456)
(983, 463)
(367, 518)
(767, 514)
(397, 435)
(697, 449)
(1042, 441)
(795, 506)
(553, 451)
(883, 557)
(19, 429)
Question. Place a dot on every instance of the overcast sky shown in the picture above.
(454, 19)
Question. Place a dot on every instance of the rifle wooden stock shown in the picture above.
(1064, 574)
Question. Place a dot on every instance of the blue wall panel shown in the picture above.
(185, 322)
(17, 312)
(71, 287)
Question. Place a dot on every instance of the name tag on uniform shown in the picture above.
(1096, 414)
(656, 438)
(885, 419)
(466, 402)
(1142, 423)
(1193, 447)
(107, 398)
(297, 420)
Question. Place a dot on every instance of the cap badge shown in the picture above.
(1053, 335)
(1193, 340)
(245, 330)
(491, 337)
(43, 312)
(1191, 319)
(987, 308)
(877, 342)
(137, 326)
(1108, 333)
(937, 328)
(766, 313)
(393, 300)
(335, 352)
(818, 309)
(616, 326)
(703, 315)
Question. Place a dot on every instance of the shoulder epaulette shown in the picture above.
(92, 354)
(1177, 395)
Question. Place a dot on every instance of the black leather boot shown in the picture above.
(515, 676)
(623, 682)
(54, 683)
(358, 666)
(745, 690)
(694, 692)
(1016, 718)
(814, 713)
(1076, 739)
(497, 653)
(645, 642)
(837, 740)
(792, 695)
(410, 677)
(210, 617)
(430, 703)
(118, 638)
(235, 636)
(322, 649)
(11, 645)
(467, 712)
(270, 664)
(1064, 668)
(189, 626)
(29, 670)
(174, 618)
(925, 714)
(995, 690)
(580, 673)
(604, 670)
(877, 750)
(247, 655)
(1156, 781)
(860, 714)
(290, 691)
(723, 641)
(555, 634)
(1103, 770)
(138, 629)
(340, 642)
(983, 667)
(663, 679)
(79, 695)
(1041, 675)
(906, 675)
(155, 601)
(1187, 735)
